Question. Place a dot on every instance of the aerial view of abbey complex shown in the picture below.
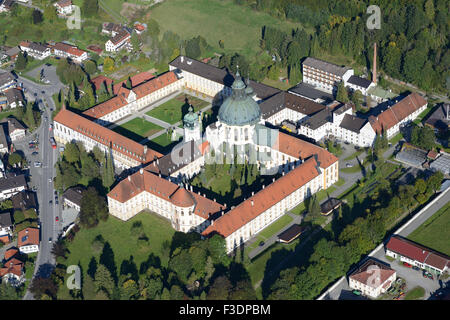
(246, 151)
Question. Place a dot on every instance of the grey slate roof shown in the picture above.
(438, 119)
(5, 78)
(3, 139)
(12, 124)
(325, 66)
(219, 75)
(358, 81)
(283, 100)
(74, 195)
(319, 119)
(13, 182)
(309, 91)
(167, 166)
(5, 219)
(13, 95)
(24, 200)
(353, 123)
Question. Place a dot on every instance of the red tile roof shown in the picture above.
(106, 107)
(69, 49)
(98, 81)
(106, 137)
(397, 113)
(302, 150)
(374, 277)
(164, 189)
(155, 84)
(13, 266)
(28, 236)
(264, 199)
(417, 252)
(10, 253)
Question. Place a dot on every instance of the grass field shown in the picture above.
(239, 27)
(123, 244)
(415, 293)
(433, 233)
(6, 114)
(172, 111)
(138, 129)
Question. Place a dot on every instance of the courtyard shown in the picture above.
(138, 129)
(173, 110)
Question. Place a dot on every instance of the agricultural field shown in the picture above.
(239, 27)
(138, 129)
(433, 233)
(173, 110)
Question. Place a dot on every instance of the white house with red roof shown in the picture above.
(417, 255)
(119, 41)
(64, 7)
(28, 240)
(372, 278)
(65, 50)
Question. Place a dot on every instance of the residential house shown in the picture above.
(72, 197)
(15, 129)
(35, 50)
(4, 146)
(119, 41)
(64, 7)
(65, 50)
(9, 186)
(372, 278)
(28, 240)
(355, 83)
(112, 29)
(439, 120)
(7, 81)
(6, 5)
(24, 200)
(12, 271)
(15, 98)
(417, 255)
(6, 227)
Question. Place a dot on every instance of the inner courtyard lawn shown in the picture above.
(434, 232)
(173, 110)
(138, 129)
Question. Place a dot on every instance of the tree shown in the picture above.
(193, 48)
(108, 171)
(37, 17)
(153, 28)
(14, 159)
(129, 84)
(103, 280)
(129, 290)
(435, 180)
(108, 64)
(413, 62)
(93, 208)
(72, 153)
(342, 94)
(423, 137)
(90, 67)
(40, 286)
(313, 206)
(8, 292)
(219, 289)
(21, 61)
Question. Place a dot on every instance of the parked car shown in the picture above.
(56, 219)
(357, 292)
(348, 165)
(50, 240)
(416, 268)
(261, 243)
(35, 153)
(406, 264)
(37, 164)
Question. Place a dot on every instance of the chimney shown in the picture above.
(374, 74)
(253, 193)
(252, 202)
(214, 199)
(263, 187)
(129, 178)
(212, 222)
(145, 149)
(141, 171)
(190, 187)
(182, 59)
(282, 173)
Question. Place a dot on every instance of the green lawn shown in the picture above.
(173, 110)
(433, 233)
(321, 195)
(415, 294)
(396, 138)
(6, 114)
(238, 26)
(138, 129)
(276, 226)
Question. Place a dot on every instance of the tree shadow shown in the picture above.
(92, 268)
(107, 259)
(129, 267)
(152, 261)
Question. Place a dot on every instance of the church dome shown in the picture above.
(190, 119)
(239, 109)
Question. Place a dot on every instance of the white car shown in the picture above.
(37, 164)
